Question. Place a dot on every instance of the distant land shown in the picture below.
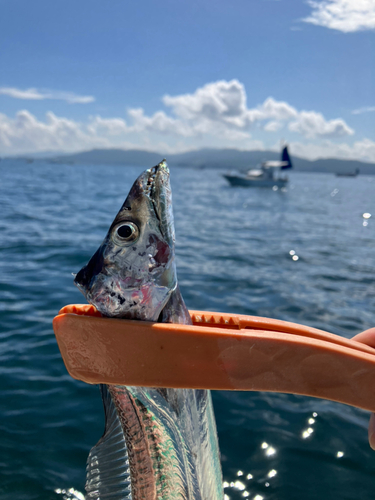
(227, 159)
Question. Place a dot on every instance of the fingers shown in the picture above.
(371, 431)
(366, 337)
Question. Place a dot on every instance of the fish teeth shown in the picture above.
(150, 180)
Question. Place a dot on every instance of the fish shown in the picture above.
(158, 443)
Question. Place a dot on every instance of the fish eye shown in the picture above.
(125, 233)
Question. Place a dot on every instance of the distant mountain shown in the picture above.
(203, 158)
(111, 157)
(210, 158)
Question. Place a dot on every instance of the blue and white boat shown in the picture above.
(264, 174)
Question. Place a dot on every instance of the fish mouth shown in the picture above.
(155, 179)
(144, 301)
(149, 181)
(156, 186)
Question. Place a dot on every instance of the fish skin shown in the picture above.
(163, 442)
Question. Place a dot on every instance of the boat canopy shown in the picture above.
(255, 172)
(275, 164)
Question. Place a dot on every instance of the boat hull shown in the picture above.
(236, 180)
(338, 174)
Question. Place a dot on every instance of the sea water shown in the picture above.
(305, 254)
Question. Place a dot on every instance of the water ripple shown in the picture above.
(235, 250)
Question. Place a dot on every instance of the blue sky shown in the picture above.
(173, 75)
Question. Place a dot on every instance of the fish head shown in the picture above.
(133, 272)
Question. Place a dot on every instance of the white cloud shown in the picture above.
(99, 126)
(273, 126)
(363, 150)
(276, 110)
(220, 101)
(25, 133)
(216, 109)
(159, 123)
(311, 124)
(215, 115)
(220, 109)
(343, 15)
(225, 103)
(367, 109)
(39, 95)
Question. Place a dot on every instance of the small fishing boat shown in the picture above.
(348, 174)
(264, 174)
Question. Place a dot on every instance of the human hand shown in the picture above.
(368, 337)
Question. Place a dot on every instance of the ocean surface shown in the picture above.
(237, 252)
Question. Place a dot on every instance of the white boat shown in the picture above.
(264, 174)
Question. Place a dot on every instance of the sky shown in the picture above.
(172, 76)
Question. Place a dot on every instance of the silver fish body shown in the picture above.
(158, 444)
